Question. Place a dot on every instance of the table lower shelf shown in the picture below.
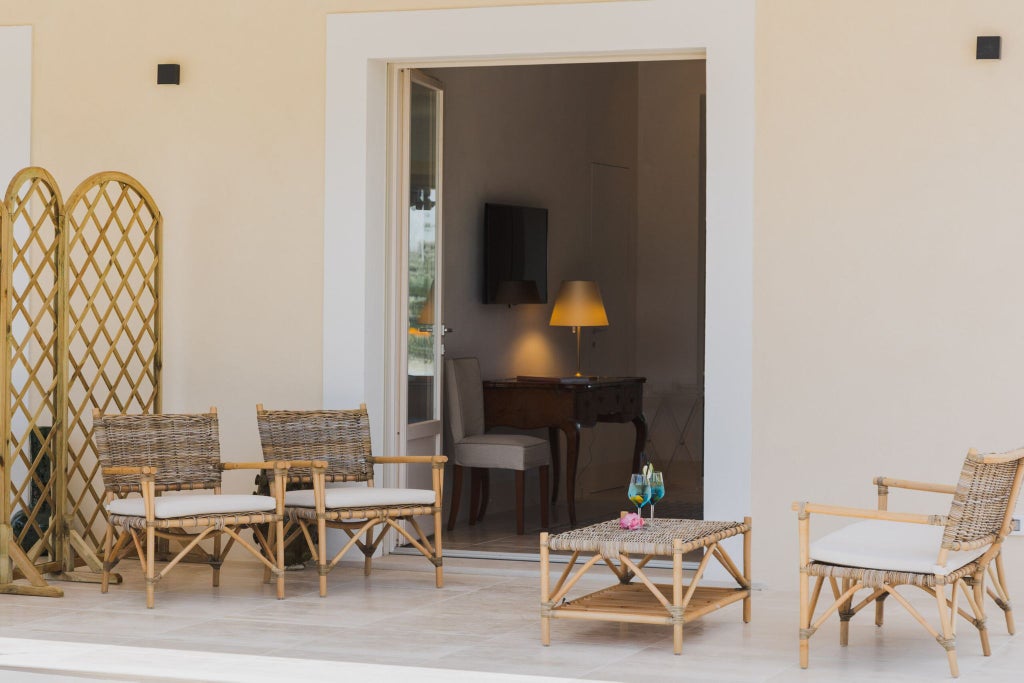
(634, 602)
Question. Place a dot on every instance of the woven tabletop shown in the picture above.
(656, 537)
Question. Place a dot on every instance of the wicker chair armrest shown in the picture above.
(434, 459)
(914, 485)
(805, 508)
(124, 470)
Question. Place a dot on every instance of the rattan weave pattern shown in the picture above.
(876, 578)
(184, 449)
(979, 504)
(656, 537)
(218, 521)
(353, 514)
(341, 437)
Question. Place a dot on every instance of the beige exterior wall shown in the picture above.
(887, 233)
(888, 241)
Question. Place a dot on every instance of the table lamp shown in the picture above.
(578, 305)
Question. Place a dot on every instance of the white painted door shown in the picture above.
(420, 327)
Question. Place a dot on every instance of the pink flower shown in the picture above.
(631, 521)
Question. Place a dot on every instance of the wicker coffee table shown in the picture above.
(644, 602)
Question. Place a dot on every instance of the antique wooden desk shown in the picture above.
(567, 405)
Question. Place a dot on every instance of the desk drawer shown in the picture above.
(616, 403)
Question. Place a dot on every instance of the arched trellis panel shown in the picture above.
(114, 352)
(34, 361)
(80, 302)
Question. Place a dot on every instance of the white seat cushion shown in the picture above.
(361, 497)
(503, 451)
(890, 546)
(190, 505)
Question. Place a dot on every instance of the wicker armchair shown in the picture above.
(334, 446)
(153, 454)
(929, 552)
(996, 573)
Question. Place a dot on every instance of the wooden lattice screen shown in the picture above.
(114, 326)
(80, 303)
(31, 260)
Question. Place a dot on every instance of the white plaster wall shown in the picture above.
(888, 331)
(16, 112)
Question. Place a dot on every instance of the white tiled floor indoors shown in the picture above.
(484, 623)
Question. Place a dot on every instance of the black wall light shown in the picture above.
(168, 74)
(989, 47)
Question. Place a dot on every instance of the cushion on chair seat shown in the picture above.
(503, 451)
(890, 546)
(361, 497)
(167, 507)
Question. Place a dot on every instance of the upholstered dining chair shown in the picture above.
(945, 556)
(153, 454)
(997, 588)
(328, 446)
(481, 452)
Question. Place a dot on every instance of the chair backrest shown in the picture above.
(465, 392)
(341, 437)
(184, 449)
(984, 501)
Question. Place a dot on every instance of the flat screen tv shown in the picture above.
(515, 252)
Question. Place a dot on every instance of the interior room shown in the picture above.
(612, 153)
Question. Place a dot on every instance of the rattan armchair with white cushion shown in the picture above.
(997, 589)
(945, 556)
(334, 446)
(144, 456)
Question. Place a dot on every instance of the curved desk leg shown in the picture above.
(641, 438)
(572, 454)
(555, 465)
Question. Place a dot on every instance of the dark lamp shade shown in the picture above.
(517, 292)
(579, 304)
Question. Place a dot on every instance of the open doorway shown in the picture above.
(614, 154)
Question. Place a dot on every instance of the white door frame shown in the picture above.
(359, 48)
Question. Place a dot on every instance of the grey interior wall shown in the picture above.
(566, 138)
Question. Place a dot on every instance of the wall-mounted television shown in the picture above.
(515, 251)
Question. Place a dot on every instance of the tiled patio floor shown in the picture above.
(486, 619)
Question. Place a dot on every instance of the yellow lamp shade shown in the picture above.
(579, 304)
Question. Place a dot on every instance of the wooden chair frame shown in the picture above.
(325, 464)
(968, 581)
(996, 574)
(190, 531)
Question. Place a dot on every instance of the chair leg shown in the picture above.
(150, 566)
(948, 639)
(845, 615)
(278, 531)
(456, 496)
(880, 609)
(474, 494)
(438, 557)
(520, 498)
(485, 493)
(370, 548)
(978, 605)
(805, 618)
(543, 473)
(217, 560)
(321, 551)
(1006, 605)
(108, 546)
